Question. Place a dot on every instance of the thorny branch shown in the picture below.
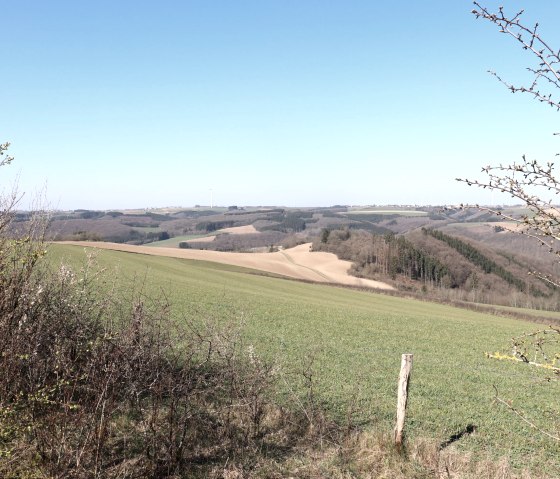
(547, 70)
(7, 159)
(538, 343)
(523, 417)
(538, 348)
(536, 186)
(528, 181)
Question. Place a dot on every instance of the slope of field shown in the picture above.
(174, 241)
(203, 238)
(354, 340)
(234, 230)
(298, 262)
(239, 230)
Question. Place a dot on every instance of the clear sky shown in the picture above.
(123, 104)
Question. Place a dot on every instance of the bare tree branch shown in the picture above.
(547, 70)
(7, 159)
(537, 187)
(523, 417)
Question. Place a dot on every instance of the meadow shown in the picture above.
(350, 343)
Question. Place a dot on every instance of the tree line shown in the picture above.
(476, 257)
(387, 255)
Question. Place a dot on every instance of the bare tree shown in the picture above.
(535, 185)
(530, 181)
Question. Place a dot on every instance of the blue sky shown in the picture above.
(297, 102)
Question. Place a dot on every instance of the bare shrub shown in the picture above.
(92, 387)
(96, 385)
(536, 185)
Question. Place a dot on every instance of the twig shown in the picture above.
(502, 357)
(523, 418)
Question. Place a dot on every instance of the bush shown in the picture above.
(87, 214)
(163, 235)
(85, 236)
(95, 387)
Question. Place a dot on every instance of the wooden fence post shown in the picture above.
(406, 366)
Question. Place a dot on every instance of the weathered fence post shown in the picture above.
(406, 366)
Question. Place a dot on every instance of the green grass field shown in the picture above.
(357, 339)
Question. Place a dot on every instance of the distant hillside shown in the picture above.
(441, 266)
(384, 242)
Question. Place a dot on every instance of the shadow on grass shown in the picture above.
(469, 429)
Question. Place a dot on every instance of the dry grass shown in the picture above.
(366, 455)
(239, 230)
